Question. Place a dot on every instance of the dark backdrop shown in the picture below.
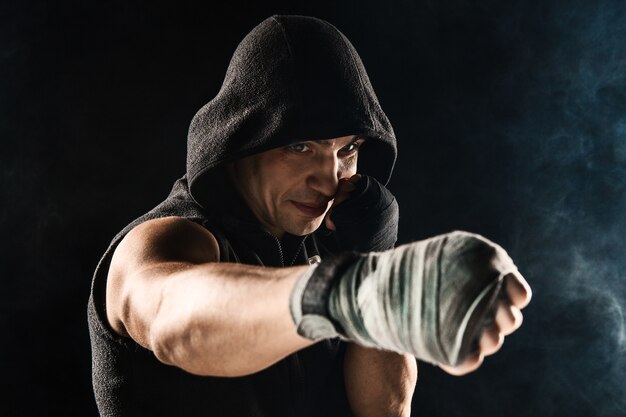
(511, 122)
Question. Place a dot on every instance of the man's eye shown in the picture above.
(298, 147)
(354, 146)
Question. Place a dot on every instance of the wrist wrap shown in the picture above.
(368, 220)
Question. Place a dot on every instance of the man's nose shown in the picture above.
(325, 174)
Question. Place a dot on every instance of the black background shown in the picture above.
(511, 122)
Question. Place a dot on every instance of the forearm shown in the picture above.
(225, 319)
(379, 383)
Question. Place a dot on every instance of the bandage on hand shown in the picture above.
(366, 221)
(431, 298)
(346, 186)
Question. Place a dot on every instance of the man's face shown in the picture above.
(291, 189)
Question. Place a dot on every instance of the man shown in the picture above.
(266, 283)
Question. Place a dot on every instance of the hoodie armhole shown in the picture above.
(97, 300)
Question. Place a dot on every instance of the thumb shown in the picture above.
(330, 225)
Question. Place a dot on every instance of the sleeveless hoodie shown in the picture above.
(291, 79)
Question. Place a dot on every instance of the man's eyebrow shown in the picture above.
(328, 142)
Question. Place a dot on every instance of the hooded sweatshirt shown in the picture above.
(291, 79)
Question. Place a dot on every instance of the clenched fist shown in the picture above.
(448, 300)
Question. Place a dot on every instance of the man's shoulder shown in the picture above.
(166, 239)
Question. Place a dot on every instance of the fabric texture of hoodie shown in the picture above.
(291, 79)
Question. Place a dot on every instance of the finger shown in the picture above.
(330, 225)
(519, 318)
(490, 341)
(518, 290)
(343, 191)
(508, 318)
(355, 178)
(346, 182)
(466, 367)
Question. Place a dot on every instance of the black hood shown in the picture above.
(291, 79)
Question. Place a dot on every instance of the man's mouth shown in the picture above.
(310, 209)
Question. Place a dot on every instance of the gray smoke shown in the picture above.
(570, 144)
(523, 139)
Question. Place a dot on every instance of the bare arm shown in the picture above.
(379, 383)
(168, 292)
